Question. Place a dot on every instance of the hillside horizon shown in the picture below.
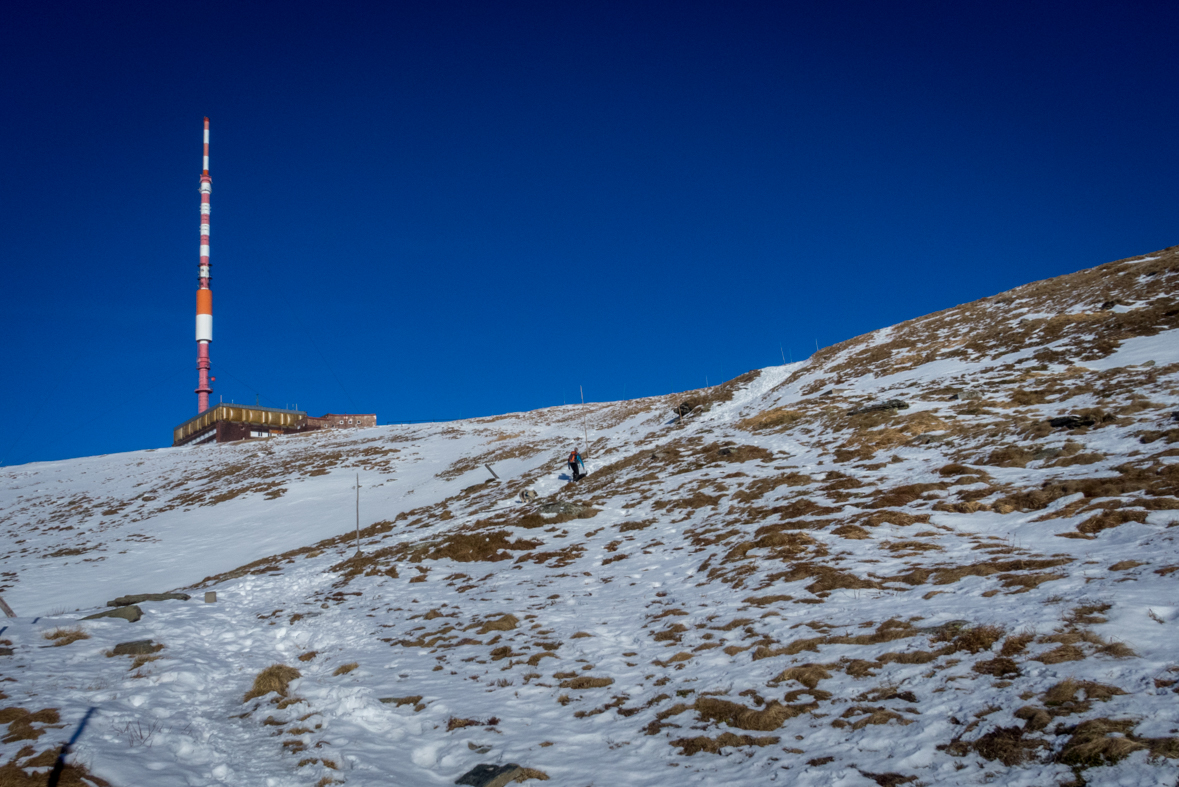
(939, 552)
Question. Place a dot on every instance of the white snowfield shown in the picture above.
(770, 590)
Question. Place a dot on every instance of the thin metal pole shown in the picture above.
(584, 430)
(358, 514)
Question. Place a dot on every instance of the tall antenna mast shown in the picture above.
(204, 315)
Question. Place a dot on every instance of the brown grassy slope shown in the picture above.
(1080, 308)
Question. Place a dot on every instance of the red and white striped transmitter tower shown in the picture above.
(204, 315)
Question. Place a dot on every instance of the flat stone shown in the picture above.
(950, 627)
(487, 775)
(126, 601)
(130, 614)
(891, 404)
(1071, 421)
(561, 508)
(139, 647)
(5, 651)
(528, 495)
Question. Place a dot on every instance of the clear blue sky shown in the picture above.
(449, 209)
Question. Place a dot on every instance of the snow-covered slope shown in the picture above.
(784, 586)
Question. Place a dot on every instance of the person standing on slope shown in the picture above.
(574, 461)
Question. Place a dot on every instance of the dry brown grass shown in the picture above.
(344, 669)
(275, 678)
(1016, 643)
(999, 667)
(586, 682)
(853, 532)
(869, 715)
(20, 723)
(455, 723)
(1100, 742)
(808, 675)
(770, 419)
(737, 715)
(1062, 697)
(1125, 565)
(64, 636)
(480, 546)
(761, 601)
(505, 622)
(701, 743)
(14, 774)
(1003, 744)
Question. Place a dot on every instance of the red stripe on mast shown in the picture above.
(204, 317)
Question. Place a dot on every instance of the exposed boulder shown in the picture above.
(1072, 421)
(130, 614)
(572, 509)
(488, 775)
(139, 598)
(139, 647)
(891, 404)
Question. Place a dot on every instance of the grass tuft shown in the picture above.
(64, 636)
(275, 678)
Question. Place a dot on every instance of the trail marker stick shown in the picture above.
(7, 610)
(358, 514)
(584, 430)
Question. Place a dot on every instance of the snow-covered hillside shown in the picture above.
(941, 553)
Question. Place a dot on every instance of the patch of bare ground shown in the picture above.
(469, 547)
(19, 771)
(859, 716)
(535, 519)
(506, 622)
(888, 631)
(900, 496)
(20, 723)
(808, 675)
(1076, 644)
(776, 419)
(1152, 482)
(734, 714)
(701, 743)
(556, 559)
(1007, 745)
(867, 434)
(455, 723)
(1011, 572)
(586, 682)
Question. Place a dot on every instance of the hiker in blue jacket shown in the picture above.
(574, 461)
